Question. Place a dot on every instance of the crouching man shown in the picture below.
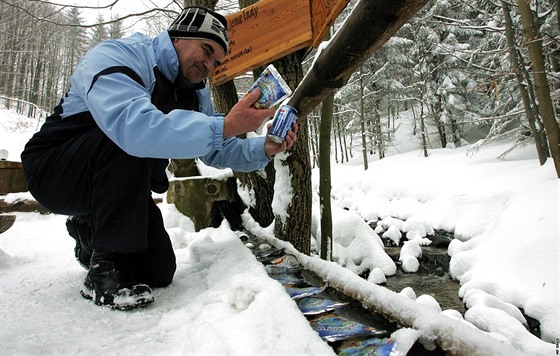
(133, 104)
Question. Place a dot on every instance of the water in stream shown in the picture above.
(432, 278)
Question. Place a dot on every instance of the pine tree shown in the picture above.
(115, 28)
(100, 32)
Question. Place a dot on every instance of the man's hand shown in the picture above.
(271, 148)
(243, 117)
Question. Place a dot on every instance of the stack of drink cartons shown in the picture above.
(347, 337)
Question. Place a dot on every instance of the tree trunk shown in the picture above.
(422, 125)
(340, 140)
(363, 123)
(225, 97)
(529, 112)
(455, 133)
(299, 210)
(335, 137)
(442, 132)
(261, 185)
(558, 13)
(346, 145)
(378, 130)
(313, 141)
(325, 177)
(541, 83)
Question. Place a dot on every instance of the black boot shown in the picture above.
(109, 283)
(80, 230)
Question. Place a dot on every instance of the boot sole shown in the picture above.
(119, 302)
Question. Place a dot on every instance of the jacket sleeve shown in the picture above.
(241, 155)
(116, 93)
(114, 90)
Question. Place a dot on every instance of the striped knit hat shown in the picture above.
(200, 23)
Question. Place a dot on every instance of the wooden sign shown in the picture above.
(263, 32)
(271, 29)
(323, 15)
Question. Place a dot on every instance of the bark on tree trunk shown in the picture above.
(340, 140)
(327, 111)
(313, 133)
(325, 177)
(292, 229)
(423, 126)
(537, 137)
(262, 185)
(541, 83)
(378, 130)
(363, 123)
(225, 97)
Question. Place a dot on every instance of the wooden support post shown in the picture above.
(194, 197)
(12, 179)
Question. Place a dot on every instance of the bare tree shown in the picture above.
(541, 83)
(529, 106)
(327, 109)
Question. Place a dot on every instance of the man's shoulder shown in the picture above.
(126, 49)
(136, 40)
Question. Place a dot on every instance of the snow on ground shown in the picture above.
(504, 215)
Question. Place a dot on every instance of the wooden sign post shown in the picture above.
(271, 29)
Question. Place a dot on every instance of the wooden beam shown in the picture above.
(370, 25)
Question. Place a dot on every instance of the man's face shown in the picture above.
(197, 58)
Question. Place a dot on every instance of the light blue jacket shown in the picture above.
(122, 108)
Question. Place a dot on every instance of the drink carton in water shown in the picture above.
(370, 347)
(273, 88)
(302, 292)
(332, 327)
(317, 305)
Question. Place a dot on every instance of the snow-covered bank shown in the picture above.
(504, 214)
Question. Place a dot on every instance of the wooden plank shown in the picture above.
(323, 15)
(262, 33)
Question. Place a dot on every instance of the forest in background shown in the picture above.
(461, 67)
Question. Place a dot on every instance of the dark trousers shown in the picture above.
(88, 175)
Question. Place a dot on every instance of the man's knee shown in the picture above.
(163, 276)
(154, 269)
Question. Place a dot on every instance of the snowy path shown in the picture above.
(221, 301)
